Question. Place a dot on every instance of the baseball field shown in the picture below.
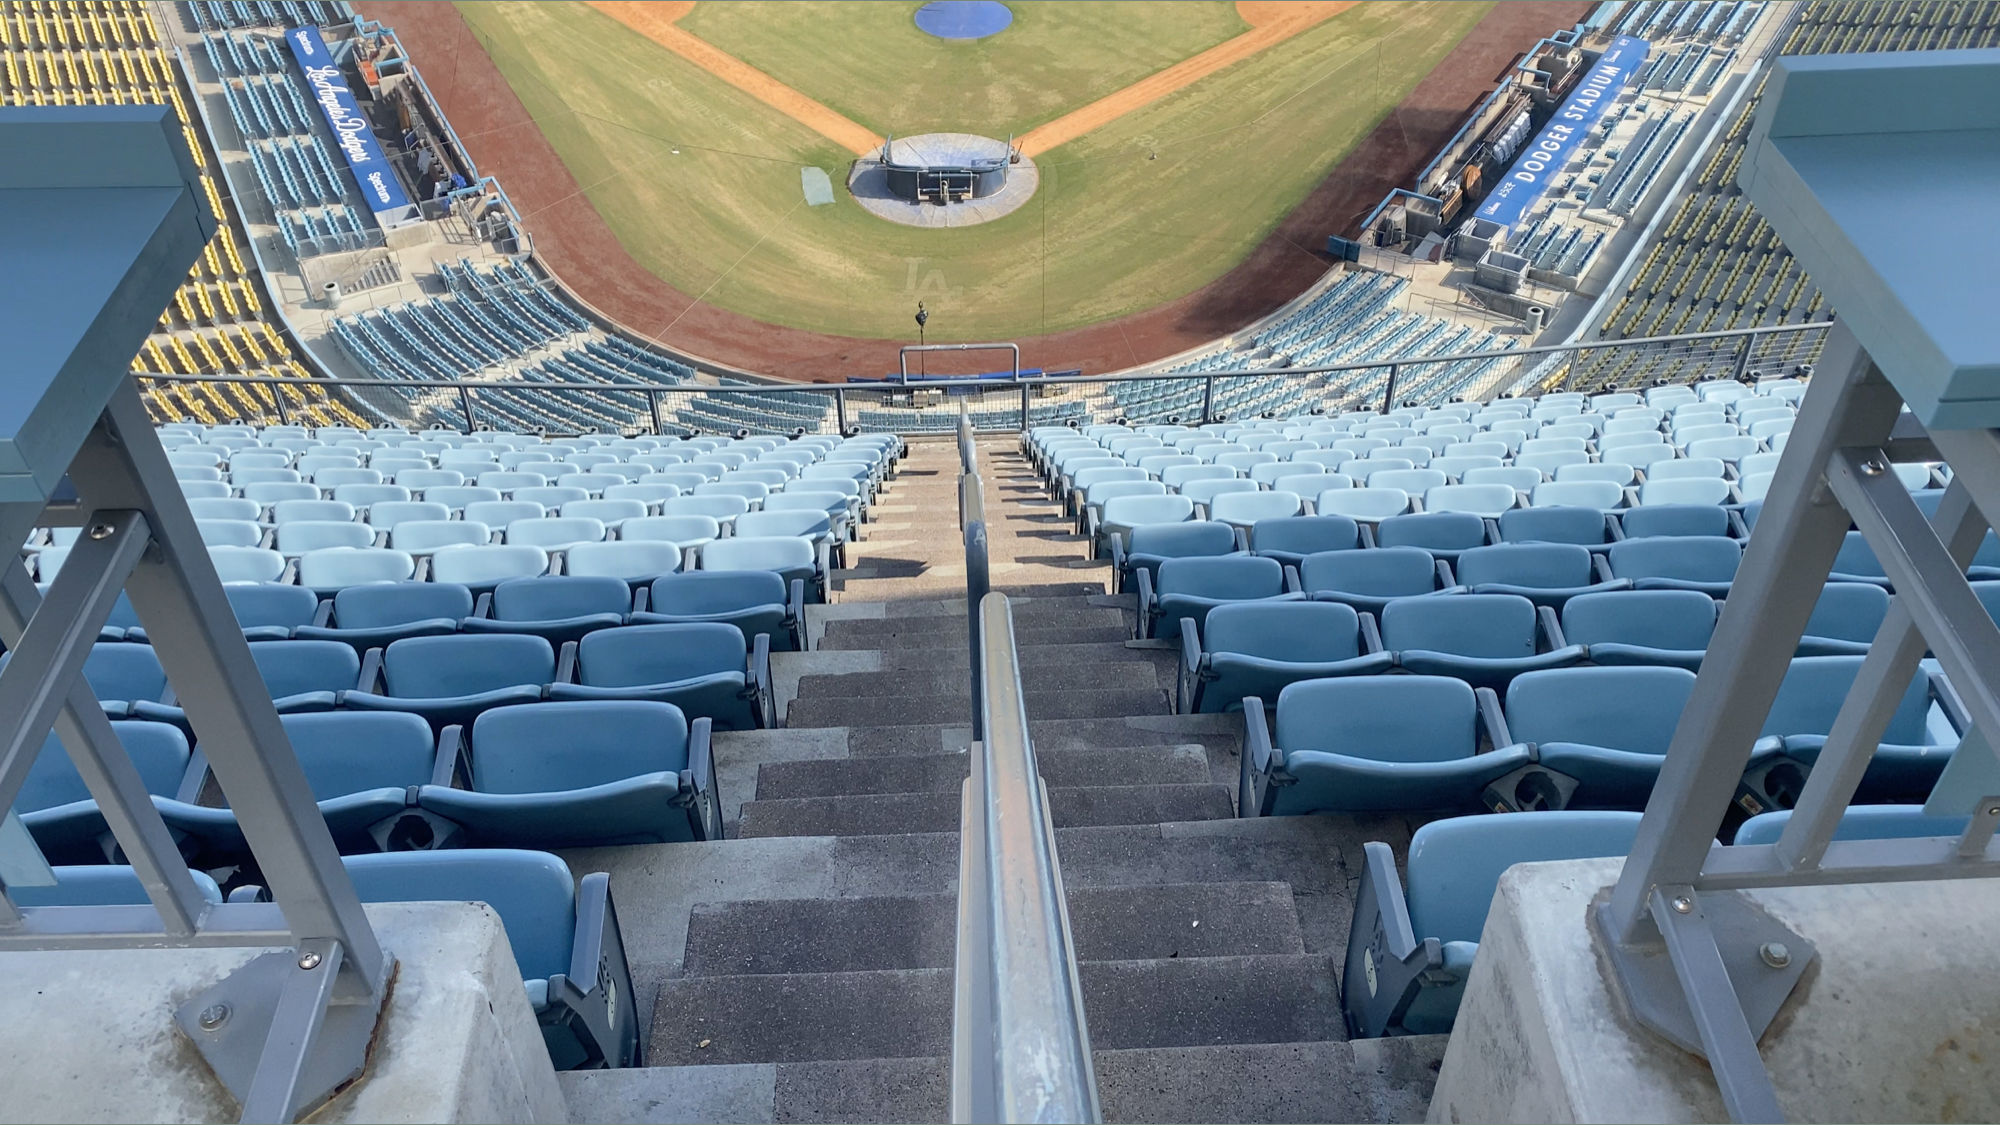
(1170, 139)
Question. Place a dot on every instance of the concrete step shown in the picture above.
(1220, 735)
(1385, 1080)
(1073, 615)
(946, 638)
(899, 710)
(919, 931)
(944, 773)
(892, 814)
(1024, 609)
(1124, 675)
(906, 1013)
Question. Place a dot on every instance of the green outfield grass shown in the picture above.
(1146, 209)
(870, 62)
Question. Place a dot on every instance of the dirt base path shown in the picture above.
(655, 21)
(574, 243)
(1271, 24)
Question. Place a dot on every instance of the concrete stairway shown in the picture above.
(802, 969)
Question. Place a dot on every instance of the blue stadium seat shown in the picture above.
(703, 668)
(755, 601)
(104, 884)
(1443, 534)
(374, 616)
(1377, 744)
(1189, 587)
(1606, 729)
(1484, 639)
(558, 609)
(1585, 527)
(1845, 619)
(121, 675)
(1693, 562)
(1547, 574)
(1859, 822)
(57, 807)
(565, 938)
(791, 559)
(361, 767)
(1415, 949)
(581, 774)
(1663, 627)
(1258, 648)
(267, 611)
(1371, 579)
(1674, 519)
(300, 675)
(1905, 765)
(1290, 540)
(1155, 543)
(452, 679)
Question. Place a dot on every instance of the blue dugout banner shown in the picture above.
(1549, 153)
(371, 169)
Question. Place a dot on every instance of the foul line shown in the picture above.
(656, 22)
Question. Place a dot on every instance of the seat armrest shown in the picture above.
(640, 596)
(1444, 578)
(1118, 561)
(823, 559)
(701, 775)
(1292, 584)
(370, 679)
(1385, 960)
(763, 693)
(290, 575)
(1371, 635)
(1614, 531)
(1601, 566)
(422, 573)
(1257, 759)
(194, 780)
(1242, 538)
(1367, 534)
(482, 606)
(1631, 497)
(1493, 526)
(1552, 633)
(1950, 702)
(323, 612)
(795, 610)
(1187, 675)
(1737, 525)
(1090, 529)
(1142, 627)
(566, 663)
(1492, 719)
(598, 988)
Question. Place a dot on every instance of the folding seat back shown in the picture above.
(1666, 627)
(306, 675)
(722, 509)
(683, 531)
(252, 475)
(501, 513)
(550, 496)
(751, 492)
(288, 511)
(429, 481)
(1683, 490)
(270, 610)
(1306, 484)
(832, 504)
(703, 668)
(551, 747)
(1856, 561)
(556, 929)
(1620, 473)
(1814, 688)
(484, 566)
(368, 495)
(1606, 728)
(331, 568)
(374, 615)
(754, 601)
(1444, 534)
(1675, 519)
(1859, 822)
(232, 564)
(1368, 579)
(1365, 505)
(807, 523)
(459, 497)
(1401, 719)
(224, 508)
(1123, 513)
(385, 516)
(1845, 619)
(230, 533)
(1583, 526)
(509, 481)
(1291, 539)
(646, 492)
(1454, 866)
(1598, 494)
(1255, 649)
(781, 554)
(1176, 476)
(301, 536)
(1245, 509)
(1406, 480)
(1548, 464)
(1457, 466)
(554, 598)
(1205, 491)
(629, 561)
(1521, 479)
(421, 537)
(1688, 562)
(421, 668)
(56, 806)
(1154, 543)
(1489, 626)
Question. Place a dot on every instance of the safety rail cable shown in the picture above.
(1020, 1046)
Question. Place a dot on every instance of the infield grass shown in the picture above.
(1143, 210)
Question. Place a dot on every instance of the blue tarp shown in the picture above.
(1551, 149)
(343, 113)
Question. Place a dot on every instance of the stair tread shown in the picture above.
(899, 813)
(944, 773)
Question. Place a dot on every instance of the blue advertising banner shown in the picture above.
(1551, 149)
(357, 141)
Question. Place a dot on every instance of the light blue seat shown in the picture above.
(1155, 543)
(1443, 534)
(581, 774)
(1903, 769)
(1383, 743)
(1859, 822)
(104, 884)
(481, 567)
(558, 609)
(1606, 729)
(120, 675)
(1258, 648)
(1690, 562)
(1484, 639)
(335, 568)
(1291, 539)
(373, 616)
(564, 934)
(267, 611)
(1417, 948)
(361, 767)
(1117, 516)
(757, 602)
(1670, 628)
(1189, 587)
(1371, 579)
(57, 808)
(1544, 573)
(300, 675)
(1652, 520)
(1585, 527)
(1845, 619)
(452, 679)
(790, 558)
(703, 668)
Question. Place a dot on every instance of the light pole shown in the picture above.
(923, 318)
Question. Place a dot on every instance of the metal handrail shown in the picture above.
(1020, 1044)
